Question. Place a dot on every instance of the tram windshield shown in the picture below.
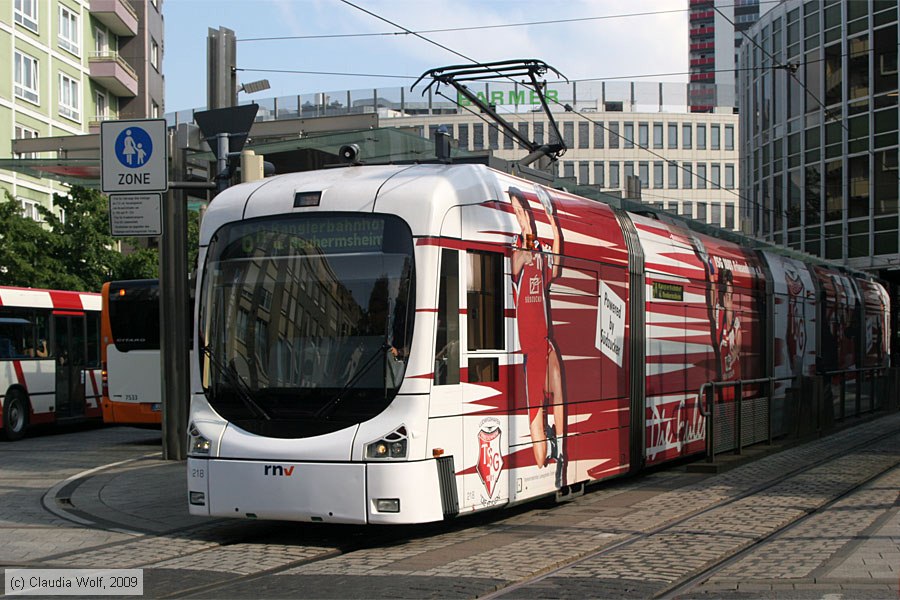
(305, 320)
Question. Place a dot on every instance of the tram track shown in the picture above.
(684, 527)
(237, 545)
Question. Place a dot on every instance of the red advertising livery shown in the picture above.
(400, 344)
(49, 357)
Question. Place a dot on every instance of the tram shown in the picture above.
(409, 343)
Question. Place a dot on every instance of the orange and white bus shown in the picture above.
(129, 352)
(49, 358)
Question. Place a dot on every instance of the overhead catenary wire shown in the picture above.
(483, 27)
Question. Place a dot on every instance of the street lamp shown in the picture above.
(254, 86)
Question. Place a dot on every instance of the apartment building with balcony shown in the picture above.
(69, 73)
(715, 32)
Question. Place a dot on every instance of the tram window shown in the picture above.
(482, 370)
(446, 347)
(485, 301)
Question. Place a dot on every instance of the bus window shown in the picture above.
(446, 350)
(485, 301)
(16, 333)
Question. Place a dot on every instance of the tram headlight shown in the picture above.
(391, 446)
(197, 444)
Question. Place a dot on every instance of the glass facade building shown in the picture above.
(818, 93)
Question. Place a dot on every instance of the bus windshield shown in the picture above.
(305, 320)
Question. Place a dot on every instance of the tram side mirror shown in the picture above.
(349, 153)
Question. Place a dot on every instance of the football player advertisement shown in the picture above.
(534, 267)
(729, 334)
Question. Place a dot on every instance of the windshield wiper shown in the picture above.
(328, 407)
(237, 382)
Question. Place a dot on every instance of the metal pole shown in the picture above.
(739, 390)
(222, 162)
(710, 426)
(173, 315)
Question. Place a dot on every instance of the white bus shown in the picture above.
(49, 358)
(404, 344)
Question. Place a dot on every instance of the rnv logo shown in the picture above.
(278, 471)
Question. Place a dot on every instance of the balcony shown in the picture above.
(703, 46)
(112, 72)
(117, 15)
(702, 31)
(703, 76)
(699, 62)
(702, 15)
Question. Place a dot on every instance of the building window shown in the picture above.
(715, 175)
(493, 139)
(628, 165)
(716, 214)
(584, 173)
(102, 107)
(69, 30)
(673, 136)
(154, 110)
(688, 176)
(686, 136)
(701, 136)
(644, 174)
(643, 135)
(154, 54)
(538, 133)
(658, 175)
(614, 175)
(599, 134)
(24, 133)
(30, 210)
(713, 137)
(568, 168)
(673, 175)
(729, 176)
(584, 135)
(26, 77)
(26, 14)
(614, 134)
(523, 131)
(687, 209)
(69, 98)
(701, 211)
(569, 134)
(729, 216)
(657, 135)
(729, 137)
(478, 135)
(629, 135)
(701, 176)
(599, 179)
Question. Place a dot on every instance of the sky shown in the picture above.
(597, 42)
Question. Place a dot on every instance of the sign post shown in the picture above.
(134, 161)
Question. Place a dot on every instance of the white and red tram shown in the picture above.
(49, 358)
(402, 344)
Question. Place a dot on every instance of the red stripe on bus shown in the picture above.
(66, 300)
(20, 374)
(69, 313)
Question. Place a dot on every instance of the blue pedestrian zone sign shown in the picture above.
(134, 156)
(134, 147)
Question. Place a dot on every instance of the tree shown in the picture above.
(81, 243)
(24, 260)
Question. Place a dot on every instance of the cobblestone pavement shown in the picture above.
(836, 526)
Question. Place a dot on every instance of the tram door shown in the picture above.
(69, 354)
(485, 377)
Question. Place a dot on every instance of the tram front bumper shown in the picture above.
(319, 492)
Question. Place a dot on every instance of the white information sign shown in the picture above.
(134, 156)
(610, 324)
(137, 215)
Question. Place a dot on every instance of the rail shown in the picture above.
(874, 376)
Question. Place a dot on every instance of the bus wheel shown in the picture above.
(15, 415)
